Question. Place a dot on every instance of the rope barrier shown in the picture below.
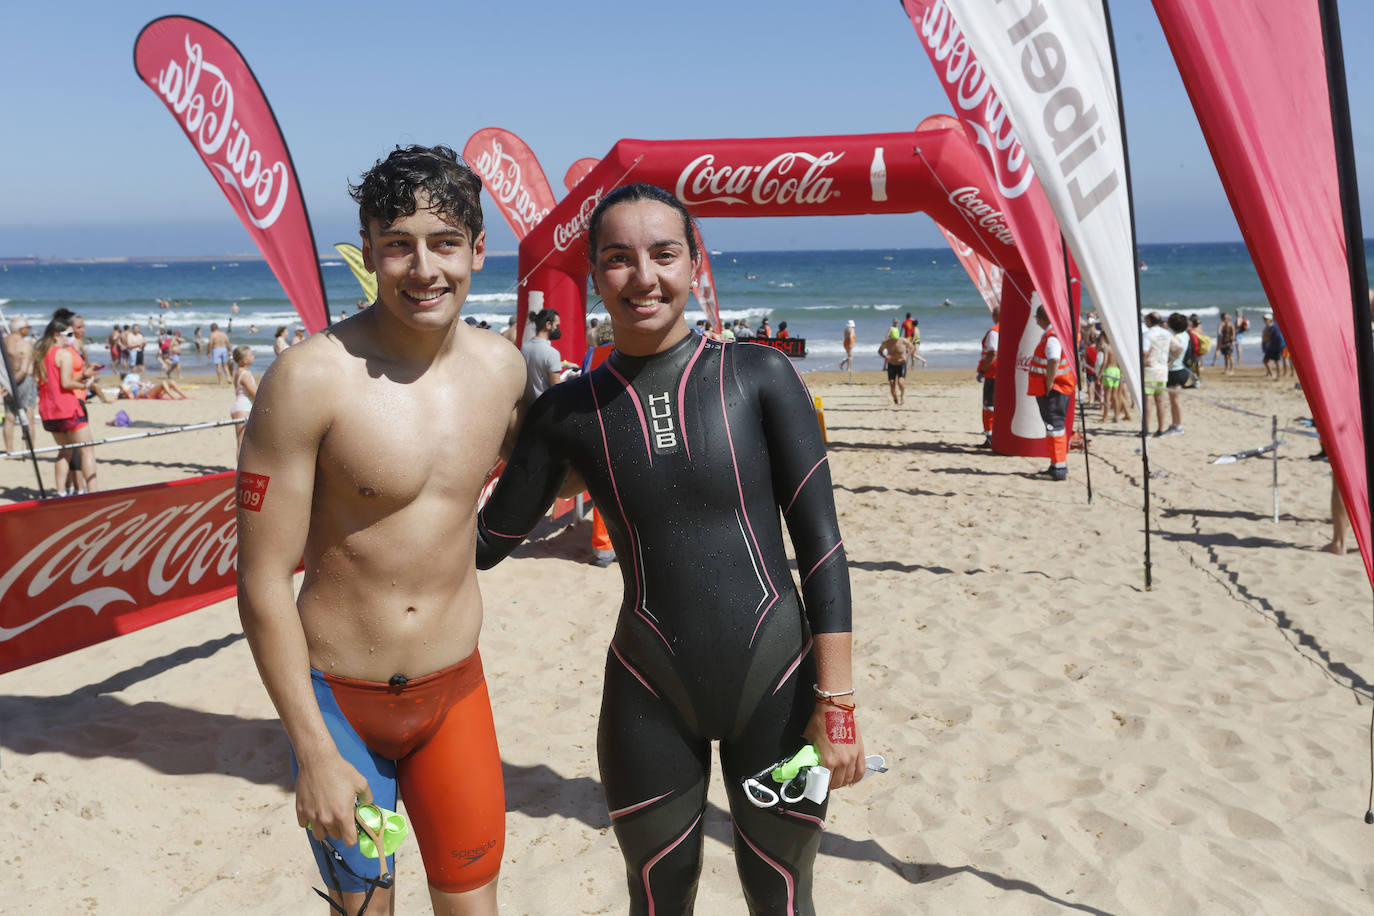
(1249, 413)
(208, 424)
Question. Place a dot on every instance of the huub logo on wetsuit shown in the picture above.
(661, 424)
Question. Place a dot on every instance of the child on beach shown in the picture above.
(245, 389)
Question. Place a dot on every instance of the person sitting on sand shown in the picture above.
(135, 388)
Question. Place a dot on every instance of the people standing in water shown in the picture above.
(374, 668)
(847, 364)
(245, 389)
(741, 657)
(219, 353)
(914, 338)
(279, 341)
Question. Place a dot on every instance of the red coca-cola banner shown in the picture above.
(206, 85)
(1256, 75)
(512, 176)
(78, 571)
(1012, 183)
(934, 169)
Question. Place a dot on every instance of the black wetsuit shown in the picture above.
(690, 454)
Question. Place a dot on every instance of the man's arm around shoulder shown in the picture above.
(276, 484)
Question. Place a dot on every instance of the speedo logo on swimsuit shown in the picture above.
(473, 854)
(662, 426)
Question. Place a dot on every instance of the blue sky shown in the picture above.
(93, 165)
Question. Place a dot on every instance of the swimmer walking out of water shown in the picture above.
(374, 668)
(697, 450)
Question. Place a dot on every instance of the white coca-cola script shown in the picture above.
(106, 550)
(565, 234)
(969, 87)
(786, 178)
(225, 144)
(982, 213)
(502, 176)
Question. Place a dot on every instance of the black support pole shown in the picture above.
(1135, 272)
(1354, 232)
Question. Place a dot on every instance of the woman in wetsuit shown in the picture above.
(694, 449)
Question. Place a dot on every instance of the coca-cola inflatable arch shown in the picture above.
(934, 170)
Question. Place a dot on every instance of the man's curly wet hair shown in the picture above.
(388, 190)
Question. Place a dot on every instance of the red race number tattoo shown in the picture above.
(252, 490)
(839, 726)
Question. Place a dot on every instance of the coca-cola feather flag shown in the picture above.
(1257, 79)
(512, 176)
(1013, 181)
(1051, 66)
(214, 96)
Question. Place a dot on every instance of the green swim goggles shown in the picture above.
(380, 834)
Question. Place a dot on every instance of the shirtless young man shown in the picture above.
(374, 669)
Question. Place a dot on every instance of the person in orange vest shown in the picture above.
(1051, 384)
(987, 374)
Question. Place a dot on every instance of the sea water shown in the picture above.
(815, 292)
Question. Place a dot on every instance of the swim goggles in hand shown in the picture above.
(799, 776)
(376, 823)
(378, 829)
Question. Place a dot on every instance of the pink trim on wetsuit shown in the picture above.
(629, 529)
(630, 668)
(744, 511)
(806, 817)
(792, 667)
(682, 394)
(513, 537)
(820, 561)
(631, 809)
(639, 411)
(824, 459)
(644, 872)
(786, 876)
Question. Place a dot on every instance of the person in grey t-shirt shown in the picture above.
(543, 364)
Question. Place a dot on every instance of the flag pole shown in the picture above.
(1354, 232)
(1135, 272)
(1077, 322)
(1355, 260)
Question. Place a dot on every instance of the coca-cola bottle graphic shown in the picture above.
(877, 175)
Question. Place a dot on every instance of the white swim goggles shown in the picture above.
(799, 776)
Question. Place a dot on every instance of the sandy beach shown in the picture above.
(1059, 739)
